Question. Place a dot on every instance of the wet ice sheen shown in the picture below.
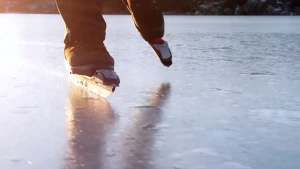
(231, 101)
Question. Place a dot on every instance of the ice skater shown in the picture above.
(85, 52)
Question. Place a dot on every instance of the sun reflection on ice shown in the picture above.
(10, 31)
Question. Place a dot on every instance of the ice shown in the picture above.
(230, 100)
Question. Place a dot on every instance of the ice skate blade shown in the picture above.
(92, 85)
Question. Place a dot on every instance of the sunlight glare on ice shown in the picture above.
(10, 34)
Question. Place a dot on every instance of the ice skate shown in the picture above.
(162, 50)
(149, 21)
(91, 66)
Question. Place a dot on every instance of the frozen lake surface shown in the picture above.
(231, 100)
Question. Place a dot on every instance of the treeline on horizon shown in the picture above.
(212, 6)
(205, 7)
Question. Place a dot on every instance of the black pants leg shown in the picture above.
(83, 19)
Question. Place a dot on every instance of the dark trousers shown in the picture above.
(84, 22)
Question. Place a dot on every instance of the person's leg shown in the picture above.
(149, 21)
(85, 33)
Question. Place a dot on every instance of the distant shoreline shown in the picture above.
(166, 14)
(169, 7)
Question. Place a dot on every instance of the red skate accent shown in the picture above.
(157, 41)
